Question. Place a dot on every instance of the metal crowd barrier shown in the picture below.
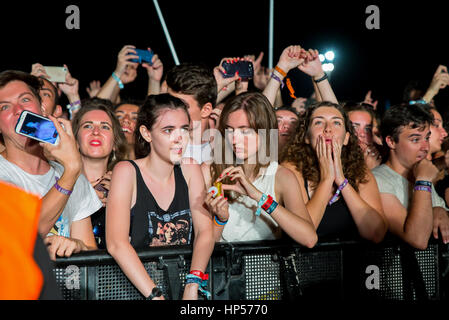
(271, 270)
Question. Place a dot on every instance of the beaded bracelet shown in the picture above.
(337, 193)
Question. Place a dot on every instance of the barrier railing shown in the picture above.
(271, 270)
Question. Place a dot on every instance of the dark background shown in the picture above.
(410, 44)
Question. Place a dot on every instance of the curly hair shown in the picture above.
(304, 157)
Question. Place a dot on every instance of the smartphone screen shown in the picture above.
(37, 127)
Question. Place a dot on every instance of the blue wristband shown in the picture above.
(261, 202)
(116, 78)
(202, 284)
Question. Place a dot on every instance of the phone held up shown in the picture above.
(37, 127)
(144, 56)
(244, 68)
(56, 74)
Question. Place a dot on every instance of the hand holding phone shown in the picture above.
(56, 74)
(37, 127)
(144, 56)
(244, 68)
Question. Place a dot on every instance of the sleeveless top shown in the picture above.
(243, 224)
(152, 226)
(337, 221)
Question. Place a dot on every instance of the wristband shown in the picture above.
(275, 77)
(260, 203)
(61, 189)
(423, 188)
(423, 183)
(219, 223)
(337, 193)
(74, 106)
(422, 101)
(116, 78)
(282, 72)
(322, 78)
(202, 282)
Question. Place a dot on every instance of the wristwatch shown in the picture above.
(155, 293)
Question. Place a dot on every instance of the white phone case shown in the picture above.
(56, 74)
(20, 124)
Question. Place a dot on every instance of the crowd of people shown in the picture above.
(209, 157)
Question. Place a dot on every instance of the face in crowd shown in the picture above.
(362, 124)
(329, 123)
(127, 115)
(95, 135)
(287, 122)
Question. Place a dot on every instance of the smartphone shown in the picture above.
(244, 68)
(144, 56)
(37, 127)
(56, 74)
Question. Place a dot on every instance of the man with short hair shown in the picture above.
(68, 199)
(197, 87)
(410, 202)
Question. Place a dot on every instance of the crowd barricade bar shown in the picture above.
(272, 270)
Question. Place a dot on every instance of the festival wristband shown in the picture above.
(219, 223)
(423, 188)
(337, 193)
(116, 78)
(61, 189)
(262, 200)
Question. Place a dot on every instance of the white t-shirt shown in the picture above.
(200, 152)
(389, 181)
(82, 202)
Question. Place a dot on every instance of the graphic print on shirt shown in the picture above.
(170, 228)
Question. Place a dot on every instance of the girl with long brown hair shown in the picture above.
(261, 198)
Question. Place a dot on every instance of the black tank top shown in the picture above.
(152, 226)
(337, 221)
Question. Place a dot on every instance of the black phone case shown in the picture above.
(244, 68)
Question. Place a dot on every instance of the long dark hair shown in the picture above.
(148, 115)
(304, 157)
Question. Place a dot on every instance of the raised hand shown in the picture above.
(70, 86)
(125, 68)
(94, 88)
(156, 70)
(291, 57)
(38, 70)
(312, 64)
(369, 100)
(218, 74)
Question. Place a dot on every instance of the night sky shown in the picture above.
(410, 43)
